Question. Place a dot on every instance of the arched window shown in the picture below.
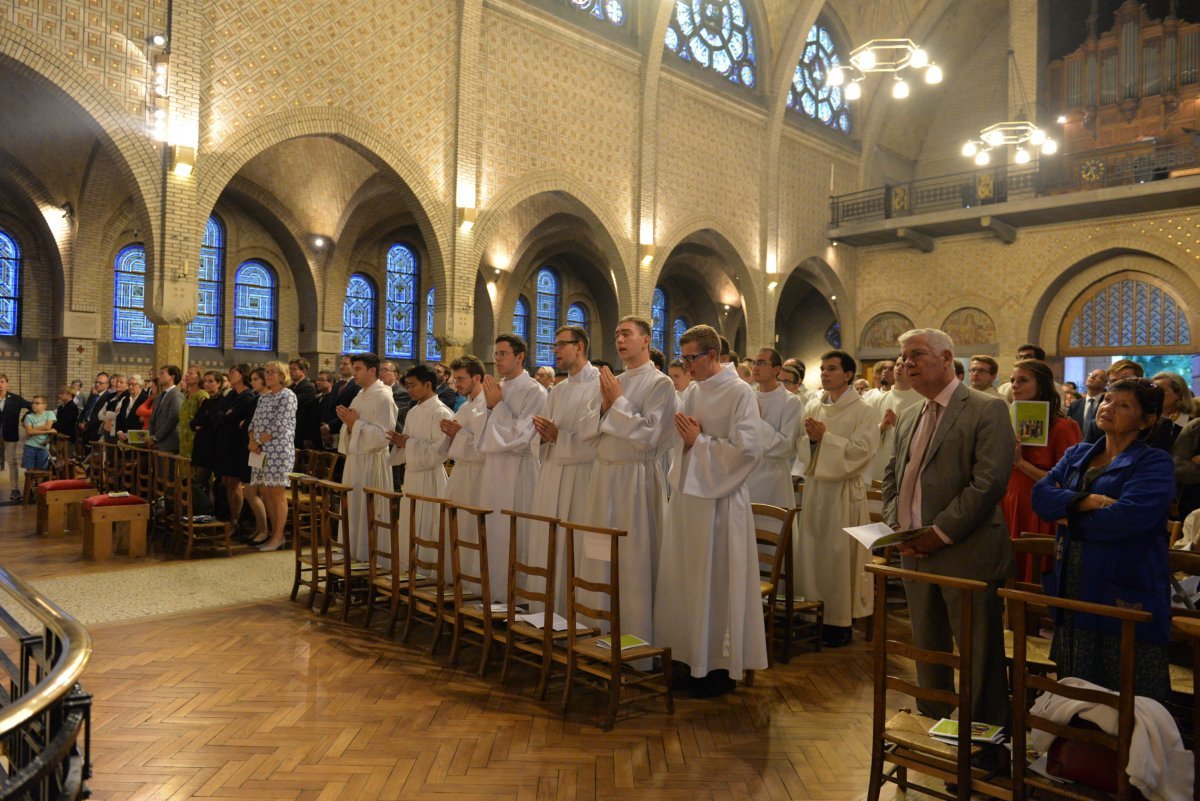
(716, 35)
(1127, 313)
(547, 317)
(10, 285)
(520, 325)
(432, 352)
(577, 314)
(130, 323)
(810, 95)
(681, 326)
(204, 331)
(254, 307)
(358, 315)
(604, 10)
(658, 320)
(400, 322)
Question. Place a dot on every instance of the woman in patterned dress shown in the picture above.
(272, 433)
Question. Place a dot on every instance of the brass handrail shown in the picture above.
(65, 673)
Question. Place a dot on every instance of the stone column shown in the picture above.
(170, 346)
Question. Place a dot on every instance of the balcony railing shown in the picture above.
(45, 717)
(1073, 172)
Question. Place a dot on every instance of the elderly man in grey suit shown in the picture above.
(164, 420)
(951, 464)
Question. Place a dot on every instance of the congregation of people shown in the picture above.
(675, 454)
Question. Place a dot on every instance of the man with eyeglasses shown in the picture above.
(708, 609)
(418, 450)
(505, 435)
(841, 435)
(567, 436)
(779, 428)
(636, 411)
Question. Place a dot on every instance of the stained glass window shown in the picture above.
(658, 320)
(400, 322)
(716, 35)
(358, 315)
(833, 334)
(810, 95)
(130, 323)
(1129, 312)
(10, 285)
(547, 317)
(204, 331)
(604, 10)
(577, 314)
(432, 352)
(520, 324)
(254, 307)
(681, 327)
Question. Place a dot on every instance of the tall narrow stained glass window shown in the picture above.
(204, 331)
(358, 315)
(681, 327)
(612, 11)
(130, 323)
(10, 285)
(547, 317)
(520, 325)
(432, 352)
(400, 317)
(254, 306)
(810, 95)
(577, 314)
(716, 35)
(658, 320)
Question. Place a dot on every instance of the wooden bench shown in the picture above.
(58, 505)
(105, 517)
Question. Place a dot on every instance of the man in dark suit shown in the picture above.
(164, 420)
(343, 394)
(89, 418)
(1083, 410)
(445, 392)
(949, 470)
(306, 399)
(11, 405)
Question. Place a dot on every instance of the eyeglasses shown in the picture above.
(761, 363)
(690, 358)
(565, 342)
(498, 353)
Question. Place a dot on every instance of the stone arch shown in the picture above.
(811, 290)
(1055, 289)
(30, 219)
(711, 233)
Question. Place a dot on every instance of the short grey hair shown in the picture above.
(938, 338)
(546, 370)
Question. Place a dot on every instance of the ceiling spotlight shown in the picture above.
(833, 297)
(1062, 119)
(899, 89)
(159, 40)
(854, 91)
(318, 241)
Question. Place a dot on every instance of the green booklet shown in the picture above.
(947, 729)
(1031, 422)
(627, 641)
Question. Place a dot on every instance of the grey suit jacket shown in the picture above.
(164, 420)
(967, 467)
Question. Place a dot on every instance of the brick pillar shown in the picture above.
(170, 346)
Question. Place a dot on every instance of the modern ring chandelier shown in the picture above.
(894, 56)
(1019, 133)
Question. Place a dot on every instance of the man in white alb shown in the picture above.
(782, 413)
(900, 398)
(567, 437)
(504, 435)
(418, 449)
(364, 441)
(841, 434)
(465, 485)
(708, 609)
(636, 418)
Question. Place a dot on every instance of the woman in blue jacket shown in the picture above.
(1114, 495)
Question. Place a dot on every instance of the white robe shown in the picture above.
(897, 400)
(830, 564)
(779, 427)
(708, 609)
(465, 485)
(628, 490)
(564, 483)
(367, 459)
(424, 473)
(505, 437)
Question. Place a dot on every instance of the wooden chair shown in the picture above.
(478, 621)
(1024, 680)
(1037, 648)
(460, 576)
(143, 477)
(187, 528)
(386, 581)
(323, 464)
(774, 545)
(100, 466)
(164, 506)
(126, 466)
(302, 462)
(342, 571)
(802, 619)
(427, 600)
(607, 667)
(32, 479)
(62, 455)
(1181, 704)
(523, 642)
(308, 547)
(1187, 629)
(903, 740)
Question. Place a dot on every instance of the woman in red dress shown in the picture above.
(1033, 381)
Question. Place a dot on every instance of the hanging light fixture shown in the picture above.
(1019, 132)
(895, 56)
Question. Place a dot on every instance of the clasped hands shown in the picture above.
(610, 389)
(397, 439)
(348, 417)
(546, 428)
(450, 428)
(922, 545)
(688, 428)
(814, 428)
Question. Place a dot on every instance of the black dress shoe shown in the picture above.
(837, 636)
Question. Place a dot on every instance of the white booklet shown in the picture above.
(880, 535)
(257, 459)
(558, 622)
